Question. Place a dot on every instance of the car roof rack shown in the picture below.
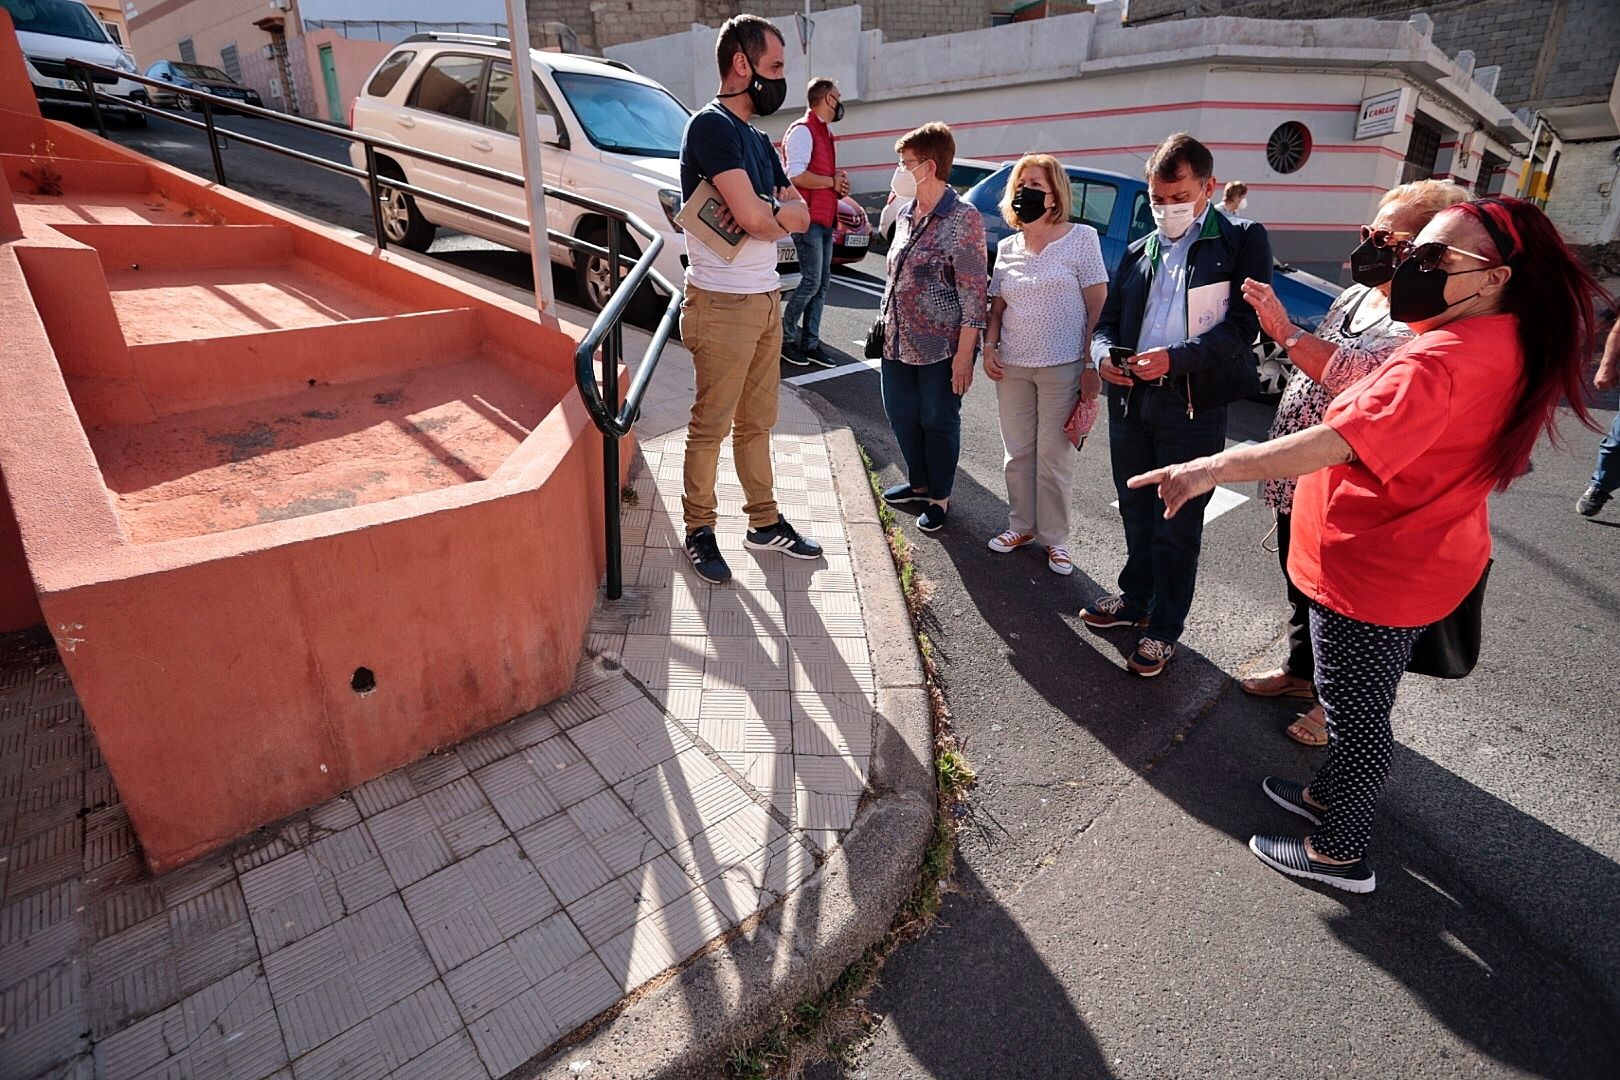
(506, 43)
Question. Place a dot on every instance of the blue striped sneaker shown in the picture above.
(1291, 796)
(1287, 855)
(784, 538)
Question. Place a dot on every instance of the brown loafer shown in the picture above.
(1278, 684)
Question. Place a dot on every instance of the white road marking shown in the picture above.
(1221, 500)
(859, 285)
(860, 364)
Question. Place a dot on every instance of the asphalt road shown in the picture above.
(1106, 918)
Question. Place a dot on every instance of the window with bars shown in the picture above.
(188, 51)
(230, 62)
(1422, 152)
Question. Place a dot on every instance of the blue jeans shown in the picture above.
(815, 268)
(926, 415)
(1607, 476)
(1161, 561)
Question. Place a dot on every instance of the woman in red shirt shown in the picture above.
(1390, 524)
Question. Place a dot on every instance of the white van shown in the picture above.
(609, 134)
(51, 32)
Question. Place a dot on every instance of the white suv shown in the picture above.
(609, 135)
(52, 32)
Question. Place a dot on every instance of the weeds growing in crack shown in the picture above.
(837, 1025)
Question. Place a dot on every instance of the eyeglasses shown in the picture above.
(1429, 256)
(1381, 237)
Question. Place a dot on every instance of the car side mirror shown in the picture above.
(550, 133)
(166, 77)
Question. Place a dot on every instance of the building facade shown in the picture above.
(1319, 117)
(1559, 61)
(259, 43)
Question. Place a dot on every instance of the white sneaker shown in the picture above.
(1009, 541)
(1057, 560)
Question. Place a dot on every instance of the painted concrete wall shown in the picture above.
(1097, 93)
(354, 59)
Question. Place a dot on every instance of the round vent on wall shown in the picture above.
(1289, 147)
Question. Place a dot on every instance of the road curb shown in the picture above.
(690, 1024)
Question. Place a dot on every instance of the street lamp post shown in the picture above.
(534, 178)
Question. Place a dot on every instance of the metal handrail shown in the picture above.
(606, 333)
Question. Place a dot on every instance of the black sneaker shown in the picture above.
(933, 518)
(792, 354)
(784, 538)
(1287, 855)
(1590, 503)
(704, 552)
(1290, 795)
(818, 356)
(901, 494)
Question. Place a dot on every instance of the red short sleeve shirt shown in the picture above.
(1400, 535)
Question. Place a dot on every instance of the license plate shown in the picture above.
(66, 84)
(856, 240)
(787, 253)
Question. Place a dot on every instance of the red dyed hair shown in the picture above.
(1550, 293)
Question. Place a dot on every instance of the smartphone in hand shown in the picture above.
(1120, 357)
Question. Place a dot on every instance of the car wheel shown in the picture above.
(185, 103)
(403, 223)
(595, 284)
(1275, 368)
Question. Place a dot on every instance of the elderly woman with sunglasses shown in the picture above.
(1391, 530)
(1355, 336)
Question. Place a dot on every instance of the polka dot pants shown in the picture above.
(1358, 667)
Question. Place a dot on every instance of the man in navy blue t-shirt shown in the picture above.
(730, 318)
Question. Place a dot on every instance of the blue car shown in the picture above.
(1116, 206)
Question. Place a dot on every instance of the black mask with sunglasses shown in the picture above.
(1373, 262)
(1419, 289)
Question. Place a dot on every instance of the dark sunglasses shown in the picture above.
(1429, 256)
(1381, 238)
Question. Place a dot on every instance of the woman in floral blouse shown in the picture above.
(1356, 336)
(933, 312)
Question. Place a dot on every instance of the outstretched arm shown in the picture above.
(1293, 455)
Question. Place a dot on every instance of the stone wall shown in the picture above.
(1550, 51)
(601, 23)
(1579, 206)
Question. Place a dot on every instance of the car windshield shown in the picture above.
(623, 116)
(58, 18)
(198, 71)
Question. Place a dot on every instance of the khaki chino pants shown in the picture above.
(1035, 403)
(736, 345)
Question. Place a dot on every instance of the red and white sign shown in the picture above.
(1383, 114)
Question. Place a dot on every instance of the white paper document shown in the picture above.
(1206, 307)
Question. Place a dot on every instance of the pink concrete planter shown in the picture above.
(296, 513)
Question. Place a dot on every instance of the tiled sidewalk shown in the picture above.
(458, 916)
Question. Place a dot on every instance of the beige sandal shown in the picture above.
(1278, 683)
(1310, 728)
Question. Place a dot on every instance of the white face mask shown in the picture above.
(903, 184)
(1173, 219)
(1243, 203)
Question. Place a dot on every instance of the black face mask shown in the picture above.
(1372, 266)
(838, 110)
(1029, 205)
(1419, 294)
(766, 95)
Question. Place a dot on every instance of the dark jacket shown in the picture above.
(1218, 366)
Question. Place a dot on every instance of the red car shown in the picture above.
(853, 233)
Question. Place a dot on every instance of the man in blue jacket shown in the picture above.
(1175, 341)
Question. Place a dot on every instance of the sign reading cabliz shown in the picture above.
(1383, 114)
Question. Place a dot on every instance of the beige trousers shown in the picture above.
(736, 345)
(1034, 404)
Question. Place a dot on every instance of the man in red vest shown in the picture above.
(812, 165)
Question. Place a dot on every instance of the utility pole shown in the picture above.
(534, 177)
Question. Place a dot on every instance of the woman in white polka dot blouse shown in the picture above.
(1046, 293)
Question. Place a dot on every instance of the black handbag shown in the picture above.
(1449, 649)
(874, 339)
